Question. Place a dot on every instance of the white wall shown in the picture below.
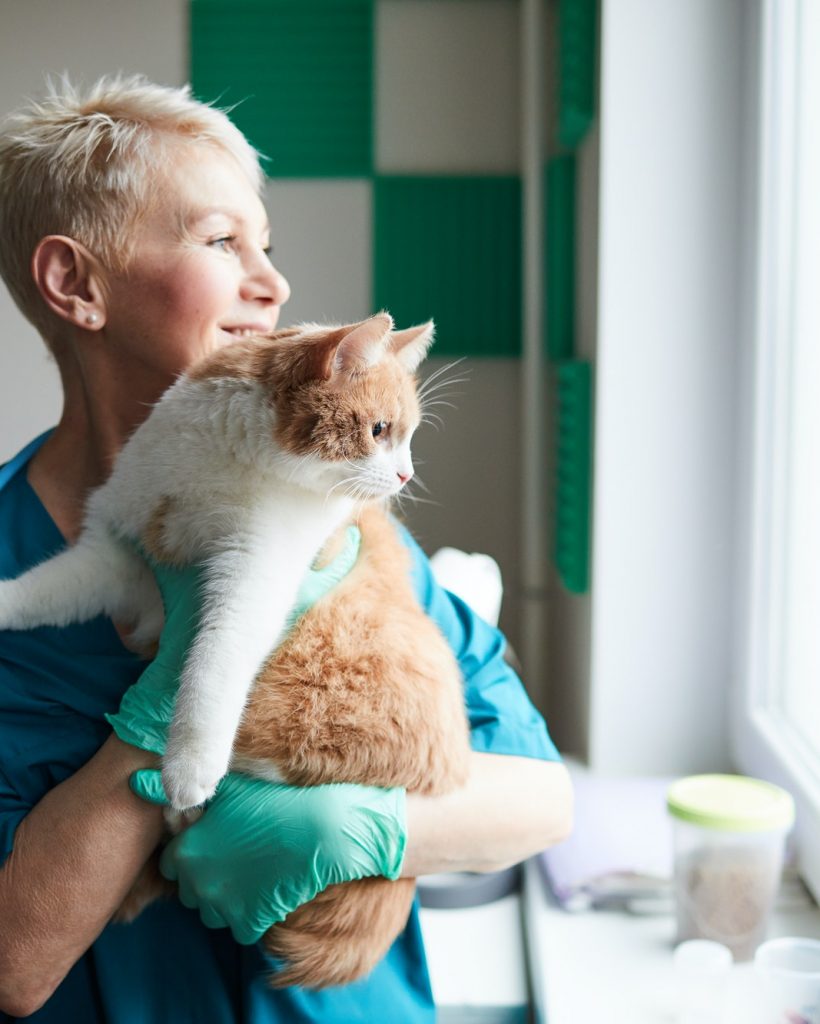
(661, 608)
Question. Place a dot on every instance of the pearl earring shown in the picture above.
(91, 318)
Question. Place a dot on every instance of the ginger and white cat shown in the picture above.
(250, 464)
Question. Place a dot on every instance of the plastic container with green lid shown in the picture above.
(730, 835)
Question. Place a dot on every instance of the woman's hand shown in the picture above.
(263, 849)
(147, 707)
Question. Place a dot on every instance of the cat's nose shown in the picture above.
(404, 477)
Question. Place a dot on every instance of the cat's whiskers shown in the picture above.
(416, 479)
(442, 384)
(356, 478)
(433, 419)
(407, 495)
(342, 483)
(438, 402)
(361, 493)
(442, 398)
(436, 394)
(425, 385)
(432, 395)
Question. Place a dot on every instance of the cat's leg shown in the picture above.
(245, 608)
(99, 574)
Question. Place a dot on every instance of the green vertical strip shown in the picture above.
(300, 73)
(573, 468)
(559, 262)
(449, 248)
(576, 69)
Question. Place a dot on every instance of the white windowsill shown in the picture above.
(617, 967)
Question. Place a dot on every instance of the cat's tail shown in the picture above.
(341, 934)
(98, 575)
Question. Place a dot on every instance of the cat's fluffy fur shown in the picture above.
(250, 464)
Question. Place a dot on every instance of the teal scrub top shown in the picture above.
(166, 967)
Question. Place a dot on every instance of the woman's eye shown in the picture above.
(379, 428)
(225, 242)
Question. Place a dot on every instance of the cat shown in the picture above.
(253, 464)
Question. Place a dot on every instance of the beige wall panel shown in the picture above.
(471, 469)
(321, 234)
(447, 97)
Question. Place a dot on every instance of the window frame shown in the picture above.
(764, 741)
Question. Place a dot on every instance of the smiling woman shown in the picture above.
(199, 274)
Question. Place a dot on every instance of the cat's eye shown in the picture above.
(379, 428)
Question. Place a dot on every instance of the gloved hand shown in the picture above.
(262, 849)
(147, 707)
(146, 710)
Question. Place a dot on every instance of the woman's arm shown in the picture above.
(510, 808)
(75, 856)
(261, 849)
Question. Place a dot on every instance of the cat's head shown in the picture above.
(344, 400)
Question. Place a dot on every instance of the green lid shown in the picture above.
(731, 803)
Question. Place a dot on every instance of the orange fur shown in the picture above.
(365, 690)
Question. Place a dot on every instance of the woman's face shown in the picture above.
(199, 275)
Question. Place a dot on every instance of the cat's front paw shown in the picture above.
(178, 821)
(190, 777)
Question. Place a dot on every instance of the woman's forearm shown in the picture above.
(77, 853)
(75, 857)
(510, 808)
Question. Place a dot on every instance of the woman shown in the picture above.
(136, 242)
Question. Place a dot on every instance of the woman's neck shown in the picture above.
(100, 411)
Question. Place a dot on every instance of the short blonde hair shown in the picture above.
(84, 164)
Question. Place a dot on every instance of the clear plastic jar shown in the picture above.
(730, 835)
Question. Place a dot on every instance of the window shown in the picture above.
(777, 713)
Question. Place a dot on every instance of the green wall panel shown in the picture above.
(573, 473)
(577, 24)
(559, 262)
(301, 74)
(450, 248)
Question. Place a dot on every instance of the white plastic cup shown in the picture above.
(789, 971)
(701, 975)
(730, 834)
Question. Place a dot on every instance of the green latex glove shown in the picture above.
(262, 849)
(147, 707)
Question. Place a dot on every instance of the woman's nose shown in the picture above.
(280, 288)
(263, 282)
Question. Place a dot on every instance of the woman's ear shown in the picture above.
(66, 275)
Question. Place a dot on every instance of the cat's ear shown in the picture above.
(363, 345)
(410, 345)
(351, 349)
